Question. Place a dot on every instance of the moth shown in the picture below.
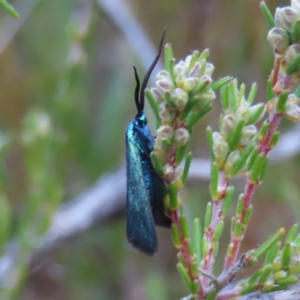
(145, 189)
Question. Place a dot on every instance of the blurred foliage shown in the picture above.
(89, 104)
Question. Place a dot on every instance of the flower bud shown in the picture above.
(243, 113)
(180, 78)
(180, 98)
(165, 134)
(292, 112)
(181, 136)
(257, 112)
(279, 274)
(232, 158)
(195, 70)
(166, 113)
(220, 146)
(190, 84)
(179, 68)
(285, 17)
(293, 99)
(291, 52)
(187, 62)
(206, 97)
(248, 134)
(278, 39)
(277, 264)
(168, 171)
(227, 125)
(209, 69)
(157, 95)
(163, 75)
(295, 4)
(165, 85)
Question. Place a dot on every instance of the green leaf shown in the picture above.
(193, 117)
(227, 201)
(185, 277)
(9, 8)
(252, 93)
(184, 227)
(295, 33)
(270, 93)
(280, 107)
(168, 56)
(208, 214)
(214, 181)
(268, 15)
(173, 196)
(220, 83)
(286, 256)
(272, 253)
(257, 168)
(292, 233)
(266, 246)
(210, 139)
(175, 236)
(186, 168)
(293, 66)
(236, 134)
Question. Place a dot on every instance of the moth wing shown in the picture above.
(157, 202)
(140, 224)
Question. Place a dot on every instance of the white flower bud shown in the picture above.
(232, 158)
(168, 171)
(209, 69)
(190, 83)
(180, 98)
(248, 134)
(293, 99)
(195, 70)
(180, 78)
(220, 146)
(278, 39)
(157, 95)
(164, 134)
(243, 113)
(291, 52)
(285, 17)
(227, 125)
(295, 4)
(179, 68)
(166, 113)
(165, 85)
(181, 136)
(163, 75)
(292, 112)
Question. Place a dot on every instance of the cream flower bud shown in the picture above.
(165, 85)
(285, 17)
(180, 98)
(190, 83)
(248, 134)
(292, 112)
(163, 75)
(207, 97)
(291, 52)
(187, 61)
(180, 78)
(220, 146)
(227, 125)
(181, 136)
(168, 171)
(295, 4)
(293, 99)
(257, 112)
(232, 158)
(157, 95)
(179, 68)
(165, 134)
(209, 69)
(243, 113)
(166, 113)
(195, 70)
(278, 39)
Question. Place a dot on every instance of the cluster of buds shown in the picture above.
(183, 91)
(284, 38)
(233, 144)
(281, 266)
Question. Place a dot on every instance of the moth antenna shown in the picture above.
(139, 107)
(145, 81)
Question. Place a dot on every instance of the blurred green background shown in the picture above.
(82, 78)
